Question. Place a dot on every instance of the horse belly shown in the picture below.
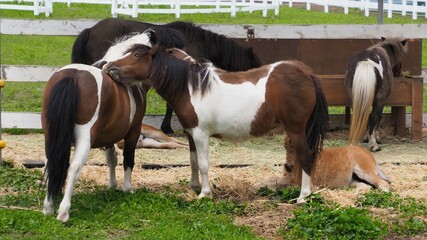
(230, 109)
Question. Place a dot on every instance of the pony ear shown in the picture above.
(154, 49)
(153, 37)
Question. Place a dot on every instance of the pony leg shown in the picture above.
(305, 187)
(305, 159)
(201, 141)
(80, 156)
(194, 182)
(129, 158)
(111, 156)
(370, 176)
(166, 124)
(48, 208)
(374, 122)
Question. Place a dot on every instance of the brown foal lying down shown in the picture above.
(152, 137)
(337, 167)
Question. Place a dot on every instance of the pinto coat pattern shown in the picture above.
(209, 101)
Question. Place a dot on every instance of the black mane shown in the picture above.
(171, 76)
(220, 50)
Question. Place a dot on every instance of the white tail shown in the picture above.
(363, 91)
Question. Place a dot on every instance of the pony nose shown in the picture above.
(288, 167)
(113, 72)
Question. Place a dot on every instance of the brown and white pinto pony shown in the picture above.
(83, 106)
(368, 81)
(209, 101)
(337, 167)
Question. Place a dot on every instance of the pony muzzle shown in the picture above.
(112, 71)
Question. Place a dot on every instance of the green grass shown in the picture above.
(99, 213)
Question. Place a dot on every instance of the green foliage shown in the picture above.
(409, 210)
(18, 179)
(318, 220)
(102, 214)
(287, 194)
(22, 96)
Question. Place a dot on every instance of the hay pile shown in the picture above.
(403, 161)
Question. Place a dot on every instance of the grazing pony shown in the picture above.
(92, 44)
(337, 167)
(209, 101)
(83, 106)
(368, 81)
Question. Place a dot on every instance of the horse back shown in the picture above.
(121, 110)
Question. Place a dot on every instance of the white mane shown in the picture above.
(116, 51)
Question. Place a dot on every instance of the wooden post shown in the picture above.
(417, 108)
(2, 142)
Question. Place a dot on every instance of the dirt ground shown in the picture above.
(404, 161)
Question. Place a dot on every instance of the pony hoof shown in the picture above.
(47, 211)
(375, 148)
(205, 195)
(167, 130)
(301, 200)
(196, 188)
(63, 217)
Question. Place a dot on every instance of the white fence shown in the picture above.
(134, 7)
(37, 6)
(179, 7)
(402, 7)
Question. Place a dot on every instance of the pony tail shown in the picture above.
(318, 123)
(363, 92)
(78, 54)
(61, 115)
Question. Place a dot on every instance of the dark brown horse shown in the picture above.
(212, 102)
(83, 106)
(368, 80)
(92, 44)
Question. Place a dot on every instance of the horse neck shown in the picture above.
(226, 54)
(174, 82)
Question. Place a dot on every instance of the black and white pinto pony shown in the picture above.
(368, 81)
(83, 106)
(92, 44)
(209, 101)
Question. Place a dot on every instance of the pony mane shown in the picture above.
(166, 38)
(123, 43)
(172, 76)
(394, 49)
(220, 50)
(124, 38)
